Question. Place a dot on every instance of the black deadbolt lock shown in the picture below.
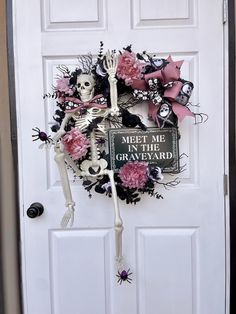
(35, 210)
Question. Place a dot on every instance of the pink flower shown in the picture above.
(129, 67)
(63, 85)
(75, 143)
(134, 174)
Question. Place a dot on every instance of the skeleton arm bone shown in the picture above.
(69, 214)
(110, 65)
(62, 131)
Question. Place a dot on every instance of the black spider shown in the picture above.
(124, 276)
(42, 136)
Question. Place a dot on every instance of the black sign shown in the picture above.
(156, 146)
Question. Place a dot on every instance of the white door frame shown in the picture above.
(227, 6)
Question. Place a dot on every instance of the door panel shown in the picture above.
(175, 246)
(172, 273)
(76, 278)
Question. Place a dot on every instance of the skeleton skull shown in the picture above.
(187, 88)
(164, 110)
(85, 86)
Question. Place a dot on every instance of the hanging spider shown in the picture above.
(42, 136)
(124, 276)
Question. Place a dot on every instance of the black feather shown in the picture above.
(131, 120)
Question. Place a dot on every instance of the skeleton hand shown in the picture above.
(68, 217)
(115, 111)
(110, 64)
(46, 145)
(58, 135)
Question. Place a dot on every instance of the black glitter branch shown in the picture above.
(86, 63)
(170, 184)
(200, 118)
(64, 70)
(100, 53)
(53, 95)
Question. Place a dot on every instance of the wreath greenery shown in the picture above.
(141, 77)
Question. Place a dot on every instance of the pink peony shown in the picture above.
(129, 67)
(134, 174)
(63, 85)
(75, 143)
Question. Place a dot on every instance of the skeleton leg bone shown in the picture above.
(118, 221)
(69, 214)
(102, 164)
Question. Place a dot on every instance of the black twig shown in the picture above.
(86, 63)
(170, 184)
(53, 95)
(203, 117)
(63, 69)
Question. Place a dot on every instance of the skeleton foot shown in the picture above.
(118, 235)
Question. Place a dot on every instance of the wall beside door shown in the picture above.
(10, 287)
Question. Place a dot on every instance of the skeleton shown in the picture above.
(95, 166)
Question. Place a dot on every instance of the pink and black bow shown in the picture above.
(165, 91)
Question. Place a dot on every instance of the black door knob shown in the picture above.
(35, 210)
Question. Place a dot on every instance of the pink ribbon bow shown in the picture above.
(87, 104)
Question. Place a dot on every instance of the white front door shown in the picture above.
(175, 246)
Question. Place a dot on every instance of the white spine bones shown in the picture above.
(85, 88)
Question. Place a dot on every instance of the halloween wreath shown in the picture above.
(99, 95)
